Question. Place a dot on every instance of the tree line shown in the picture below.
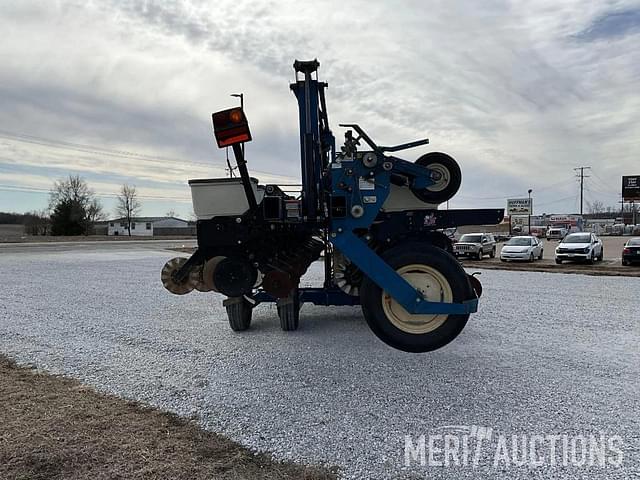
(74, 209)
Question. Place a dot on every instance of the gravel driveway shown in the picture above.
(546, 354)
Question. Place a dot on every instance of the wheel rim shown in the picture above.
(445, 177)
(433, 285)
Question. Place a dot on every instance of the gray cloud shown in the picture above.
(513, 90)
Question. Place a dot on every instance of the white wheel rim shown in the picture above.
(433, 285)
(445, 177)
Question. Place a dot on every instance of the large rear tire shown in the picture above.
(440, 277)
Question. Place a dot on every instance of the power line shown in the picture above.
(16, 188)
(617, 190)
(554, 201)
(502, 197)
(98, 150)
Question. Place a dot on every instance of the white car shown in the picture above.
(582, 246)
(556, 233)
(522, 248)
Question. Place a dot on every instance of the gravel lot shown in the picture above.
(547, 354)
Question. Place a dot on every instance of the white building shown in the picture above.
(148, 226)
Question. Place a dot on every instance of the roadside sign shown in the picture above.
(519, 206)
(631, 188)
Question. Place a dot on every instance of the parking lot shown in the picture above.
(546, 353)
(611, 265)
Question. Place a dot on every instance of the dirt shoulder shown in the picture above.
(53, 427)
(605, 268)
(89, 238)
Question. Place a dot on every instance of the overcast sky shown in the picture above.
(519, 93)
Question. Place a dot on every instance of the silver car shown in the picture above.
(522, 248)
(582, 246)
(475, 245)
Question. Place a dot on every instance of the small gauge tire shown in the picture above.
(289, 311)
(239, 312)
(440, 162)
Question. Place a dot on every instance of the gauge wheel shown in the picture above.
(447, 183)
(289, 311)
(493, 253)
(239, 311)
(439, 277)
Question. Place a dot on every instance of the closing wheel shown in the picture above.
(448, 177)
(239, 312)
(197, 281)
(439, 277)
(289, 311)
(166, 275)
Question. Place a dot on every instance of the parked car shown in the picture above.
(631, 251)
(522, 248)
(538, 231)
(583, 246)
(556, 233)
(475, 245)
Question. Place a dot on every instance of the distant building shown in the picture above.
(150, 226)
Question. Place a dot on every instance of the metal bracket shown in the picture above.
(391, 282)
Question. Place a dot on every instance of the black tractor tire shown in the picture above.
(372, 298)
(442, 163)
(239, 312)
(493, 253)
(289, 311)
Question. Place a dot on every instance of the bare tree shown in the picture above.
(94, 213)
(73, 189)
(36, 222)
(73, 207)
(128, 205)
(170, 213)
(597, 207)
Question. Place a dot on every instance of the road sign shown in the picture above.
(631, 188)
(519, 206)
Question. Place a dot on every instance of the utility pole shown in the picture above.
(582, 177)
(530, 208)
